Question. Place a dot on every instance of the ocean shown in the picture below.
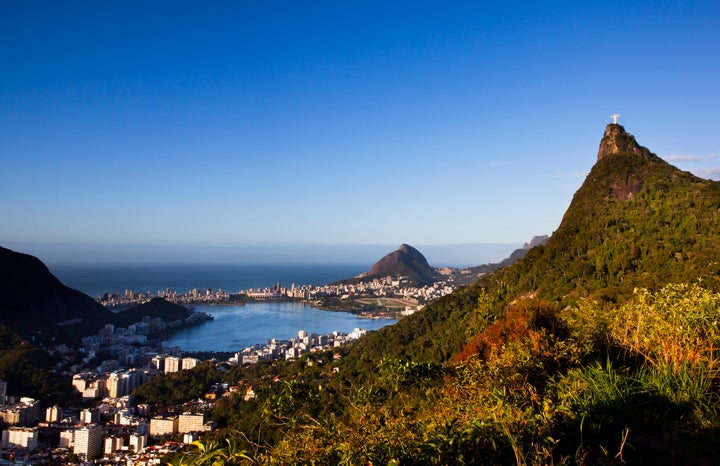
(94, 280)
(234, 327)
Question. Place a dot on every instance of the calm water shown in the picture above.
(234, 328)
(237, 327)
(95, 280)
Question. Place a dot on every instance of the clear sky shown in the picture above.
(144, 127)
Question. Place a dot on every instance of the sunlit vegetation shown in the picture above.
(594, 383)
(600, 347)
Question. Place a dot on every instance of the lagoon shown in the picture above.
(237, 327)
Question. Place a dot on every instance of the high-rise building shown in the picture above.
(159, 362)
(138, 441)
(20, 438)
(88, 441)
(172, 364)
(88, 416)
(113, 444)
(121, 383)
(67, 438)
(53, 414)
(91, 386)
(114, 385)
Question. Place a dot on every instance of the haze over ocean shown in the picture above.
(153, 125)
(94, 279)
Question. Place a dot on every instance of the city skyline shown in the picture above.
(177, 126)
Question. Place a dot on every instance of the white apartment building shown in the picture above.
(53, 414)
(113, 444)
(189, 363)
(164, 425)
(172, 364)
(138, 442)
(192, 422)
(88, 441)
(91, 386)
(159, 362)
(88, 416)
(25, 438)
(67, 438)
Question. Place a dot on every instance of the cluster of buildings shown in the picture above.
(18, 411)
(397, 287)
(112, 426)
(387, 287)
(114, 300)
(114, 434)
(121, 382)
(294, 347)
(122, 359)
(109, 426)
(131, 346)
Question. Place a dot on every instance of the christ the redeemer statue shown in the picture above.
(614, 116)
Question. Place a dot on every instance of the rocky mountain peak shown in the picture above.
(617, 141)
(406, 261)
(535, 241)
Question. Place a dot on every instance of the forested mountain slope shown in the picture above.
(636, 221)
(557, 359)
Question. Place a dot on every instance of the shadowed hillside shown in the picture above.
(35, 304)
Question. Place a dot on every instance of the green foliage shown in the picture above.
(561, 361)
(214, 453)
(27, 370)
(179, 387)
(564, 390)
(606, 246)
(676, 327)
(403, 374)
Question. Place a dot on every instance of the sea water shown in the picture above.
(96, 279)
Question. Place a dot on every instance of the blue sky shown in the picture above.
(145, 127)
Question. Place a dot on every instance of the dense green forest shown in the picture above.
(599, 347)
